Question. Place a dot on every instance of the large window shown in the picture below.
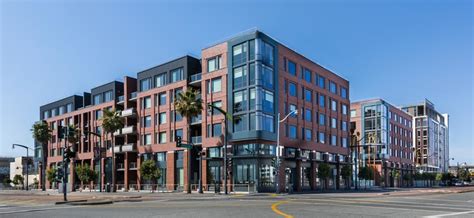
(343, 92)
(239, 54)
(252, 102)
(160, 80)
(292, 108)
(240, 101)
(240, 77)
(333, 105)
(146, 102)
(145, 84)
(322, 137)
(147, 121)
(69, 107)
(322, 100)
(146, 139)
(292, 68)
(332, 87)
(307, 75)
(322, 119)
(96, 99)
(98, 114)
(344, 109)
(267, 101)
(267, 53)
(308, 134)
(267, 122)
(308, 115)
(292, 89)
(344, 126)
(321, 82)
(108, 96)
(240, 123)
(333, 123)
(214, 63)
(62, 110)
(215, 85)
(216, 104)
(162, 99)
(308, 95)
(162, 118)
(333, 140)
(267, 77)
(177, 75)
(292, 132)
(216, 130)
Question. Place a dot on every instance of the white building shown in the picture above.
(18, 167)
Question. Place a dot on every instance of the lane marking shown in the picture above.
(279, 212)
(450, 214)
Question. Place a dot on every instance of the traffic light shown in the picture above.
(61, 132)
(59, 174)
(178, 141)
(273, 162)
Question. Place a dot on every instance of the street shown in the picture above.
(377, 204)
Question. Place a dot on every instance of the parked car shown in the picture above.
(466, 183)
(458, 183)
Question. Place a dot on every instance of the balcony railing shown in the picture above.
(117, 148)
(120, 166)
(133, 96)
(129, 130)
(196, 139)
(121, 99)
(195, 78)
(129, 112)
(132, 165)
(129, 147)
(118, 132)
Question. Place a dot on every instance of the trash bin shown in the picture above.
(107, 187)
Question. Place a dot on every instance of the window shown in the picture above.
(176, 93)
(332, 87)
(239, 54)
(322, 137)
(240, 77)
(267, 122)
(266, 77)
(353, 113)
(108, 96)
(160, 80)
(333, 105)
(176, 116)
(267, 101)
(322, 119)
(216, 130)
(146, 102)
(178, 132)
(45, 114)
(344, 142)
(69, 108)
(62, 110)
(240, 123)
(292, 108)
(292, 89)
(214, 63)
(333, 140)
(54, 112)
(177, 75)
(307, 115)
(240, 101)
(333, 123)
(252, 103)
(267, 53)
(308, 95)
(344, 126)
(344, 109)
(162, 118)
(307, 134)
(98, 114)
(215, 85)
(214, 111)
(147, 121)
(145, 84)
(307, 75)
(147, 139)
(343, 92)
(292, 68)
(98, 130)
(321, 82)
(162, 99)
(162, 137)
(96, 99)
(292, 131)
(322, 100)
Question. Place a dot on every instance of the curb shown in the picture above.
(92, 202)
(69, 202)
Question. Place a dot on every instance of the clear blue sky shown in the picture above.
(402, 51)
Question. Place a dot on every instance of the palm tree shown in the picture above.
(111, 122)
(42, 134)
(188, 105)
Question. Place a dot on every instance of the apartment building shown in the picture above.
(431, 137)
(386, 140)
(251, 76)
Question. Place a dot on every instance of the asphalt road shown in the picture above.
(305, 205)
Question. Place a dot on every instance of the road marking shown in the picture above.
(279, 212)
(450, 214)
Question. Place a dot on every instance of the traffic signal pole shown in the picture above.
(65, 165)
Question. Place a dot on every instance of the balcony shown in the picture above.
(118, 132)
(129, 147)
(133, 96)
(195, 79)
(121, 99)
(129, 130)
(196, 120)
(197, 140)
(120, 166)
(129, 112)
(117, 149)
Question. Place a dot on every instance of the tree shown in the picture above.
(366, 173)
(324, 171)
(396, 175)
(463, 174)
(51, 175)
(189, 105)
(407, 178)
(6, 182)
(446, 177)
(35, 183)
(42, 134)
(346, 172)
(18, 179)
(85, 174)
(149, 171)
(111, 122)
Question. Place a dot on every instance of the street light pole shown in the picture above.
(27, 160)
(278, 148)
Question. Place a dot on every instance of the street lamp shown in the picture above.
(27, 160)
(278, 148)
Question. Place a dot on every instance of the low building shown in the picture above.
(18, 167)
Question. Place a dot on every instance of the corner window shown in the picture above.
(267, 101)
(267, 77)
(267, 53)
